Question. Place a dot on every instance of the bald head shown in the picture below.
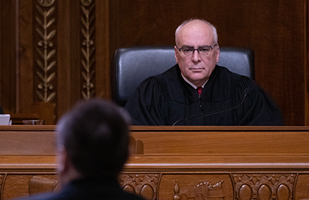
(195, 34)
(192, 26)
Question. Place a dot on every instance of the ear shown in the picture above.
(218, 54)
(176, 53)
(63, 166)
(62, 160)
(66, 170)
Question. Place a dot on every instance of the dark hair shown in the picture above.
(95, 135)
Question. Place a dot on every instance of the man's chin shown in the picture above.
(198, 78)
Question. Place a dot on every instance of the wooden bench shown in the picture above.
(217, 163)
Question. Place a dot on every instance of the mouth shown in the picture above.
(196, 69)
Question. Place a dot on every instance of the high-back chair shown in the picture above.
(135, 64)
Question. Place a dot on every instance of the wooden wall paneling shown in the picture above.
(268, 27)
(88, 42)
(68, 56)
(8, 51)
(65, 51)
(1, 27)
(24, 77)
(1, 2)
(1, 68)
(87, 51)
(273, 29)
(26, 46)
(102, 48)
(306, 54)
(281, 70)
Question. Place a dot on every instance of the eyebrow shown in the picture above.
(187, 46)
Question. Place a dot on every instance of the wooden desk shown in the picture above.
(215, 163)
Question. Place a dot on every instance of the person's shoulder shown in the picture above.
(170, 73)
(223, 71)
(222, 74)
(159, 80)
(236, 83)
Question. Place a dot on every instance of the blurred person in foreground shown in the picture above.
(92, 148)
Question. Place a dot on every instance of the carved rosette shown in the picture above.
(264, 186)
(144, 185)
(46, 3)
(86, 2)
(45, 51)
(200, 191)
(88, 49)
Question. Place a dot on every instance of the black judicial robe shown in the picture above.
(226, 99)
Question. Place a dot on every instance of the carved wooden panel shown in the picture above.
(177, 186)
(264, 186)
(145, 185)
(45, 54)
(40, 184)
(88, 48)
(196, 186)
(49, 53)
(27, 164)
(302, 189)
(25, 184)
(46, 51)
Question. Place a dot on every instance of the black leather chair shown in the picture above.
(133, 65)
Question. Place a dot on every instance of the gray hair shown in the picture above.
(202, 20)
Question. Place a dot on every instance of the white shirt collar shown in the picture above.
(194, 86)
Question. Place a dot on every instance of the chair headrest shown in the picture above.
(135, 64)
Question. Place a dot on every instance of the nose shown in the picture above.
(196, 55)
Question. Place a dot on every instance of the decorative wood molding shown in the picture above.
(28, 163)
(86, 2)
(204, 190)
(264, 186)
(46, 51)
(145, 185)
(40, 184)
(46, 3)
(88, 49)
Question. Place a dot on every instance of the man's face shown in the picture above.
(196, 67)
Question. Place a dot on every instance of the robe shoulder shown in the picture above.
(227, 99)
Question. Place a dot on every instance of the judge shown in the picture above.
(196, 91)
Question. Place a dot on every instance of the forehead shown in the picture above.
(195, 33)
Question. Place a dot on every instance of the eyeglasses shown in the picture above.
(203, 51)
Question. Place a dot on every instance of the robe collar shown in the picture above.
(194, 86)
